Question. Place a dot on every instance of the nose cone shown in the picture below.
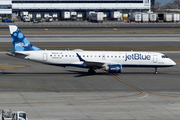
(173, 63)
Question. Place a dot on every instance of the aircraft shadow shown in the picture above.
(138, 73)
(147, 73)
(69, 72)
(81, 74)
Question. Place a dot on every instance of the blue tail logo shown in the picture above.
(20, 42)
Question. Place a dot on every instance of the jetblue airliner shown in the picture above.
(111, 61)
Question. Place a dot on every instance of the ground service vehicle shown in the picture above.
(49, 18)
(96, 17)
(168, 17)
(36, 20)
(23, 13)
(145, 17)
(7, 20)
(65, 15)
(176, 17)
(13, 115)
(26, 19)
(73, 15)
(115, 15)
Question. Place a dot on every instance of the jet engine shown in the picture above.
(114, 68)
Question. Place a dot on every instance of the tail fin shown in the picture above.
(20, 42)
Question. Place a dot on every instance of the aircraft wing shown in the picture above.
(87, 63)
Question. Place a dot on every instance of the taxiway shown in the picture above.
(50, 92)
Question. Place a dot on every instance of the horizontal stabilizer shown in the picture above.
(15, 54)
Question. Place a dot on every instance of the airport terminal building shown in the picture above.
(5, 7)
(40, 7)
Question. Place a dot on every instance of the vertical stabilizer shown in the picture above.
(20, 42)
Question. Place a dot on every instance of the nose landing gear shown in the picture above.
(156, 70)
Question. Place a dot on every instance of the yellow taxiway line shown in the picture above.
(12, 66)
(126, 83)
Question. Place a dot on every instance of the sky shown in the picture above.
(163, 2)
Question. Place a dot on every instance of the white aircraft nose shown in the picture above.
(173, 63)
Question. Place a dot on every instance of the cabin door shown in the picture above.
(155, 58)
(45, 56)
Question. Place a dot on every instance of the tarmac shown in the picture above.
(90, 28)
(50, 92)
(121, 42)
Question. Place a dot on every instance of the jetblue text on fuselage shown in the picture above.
(137, 56)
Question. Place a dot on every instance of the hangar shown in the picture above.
(5, 7)
(41, 7)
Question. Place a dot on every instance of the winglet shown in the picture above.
(80, 57)
(67, 49)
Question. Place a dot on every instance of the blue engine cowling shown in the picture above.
(115, 68)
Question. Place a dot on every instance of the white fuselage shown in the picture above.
(124, 58)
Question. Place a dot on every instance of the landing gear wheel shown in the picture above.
(156, 70)
(91, 71)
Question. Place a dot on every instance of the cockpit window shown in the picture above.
(164, 56)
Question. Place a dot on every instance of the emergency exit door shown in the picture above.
(155, 58)
(45, 56)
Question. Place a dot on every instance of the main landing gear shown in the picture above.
(156, 70)
(91, 71)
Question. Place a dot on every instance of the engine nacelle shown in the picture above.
(114, 68)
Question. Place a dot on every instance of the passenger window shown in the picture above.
(119, 56)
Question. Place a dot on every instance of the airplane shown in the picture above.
(111, 61)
